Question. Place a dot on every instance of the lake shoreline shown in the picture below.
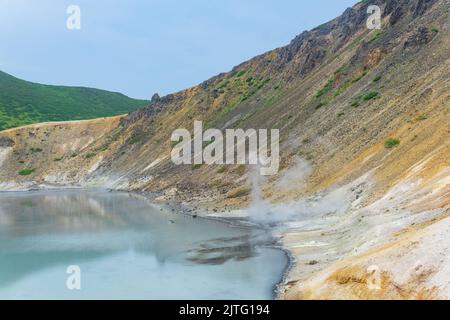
(232, 222)
(186, 210)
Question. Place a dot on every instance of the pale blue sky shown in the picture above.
(141, 47)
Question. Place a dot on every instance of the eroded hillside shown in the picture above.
(365, 137)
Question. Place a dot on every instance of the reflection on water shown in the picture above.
(126, 248)
(218, 251)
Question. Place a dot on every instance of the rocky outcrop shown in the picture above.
(421, 6)
(155, 98)
(5, 142)
(420, 37)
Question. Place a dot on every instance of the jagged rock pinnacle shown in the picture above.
(156, 98)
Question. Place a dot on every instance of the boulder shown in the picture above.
(5, 142)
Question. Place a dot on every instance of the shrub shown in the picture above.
(355, 104)
(260, 85)
(391, 143)
(327, 88)
(135, 139)
(102, 148)
(341, 70)
(224, 84)
(26, 172)
(422, 117)
(377, 78)
(371, 95)
(435, 30)
(376, 36)
(58, 159)
(90, 155)
(340, 114)
(34, 150)
(320, 105)
(241, 73)
(362, 75)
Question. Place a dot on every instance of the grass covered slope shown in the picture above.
(23, 102)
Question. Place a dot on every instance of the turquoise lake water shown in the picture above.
(126, 248)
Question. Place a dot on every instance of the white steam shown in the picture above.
(296, 175)
(262, 211)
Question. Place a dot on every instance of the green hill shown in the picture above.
(23, 102)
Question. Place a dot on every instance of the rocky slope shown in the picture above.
(365, 137)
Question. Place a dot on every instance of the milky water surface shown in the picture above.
(127, 248)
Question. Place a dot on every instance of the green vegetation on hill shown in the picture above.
(26, 172)
(391, 143)
(23, 102)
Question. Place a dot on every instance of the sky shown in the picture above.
(140, 47)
